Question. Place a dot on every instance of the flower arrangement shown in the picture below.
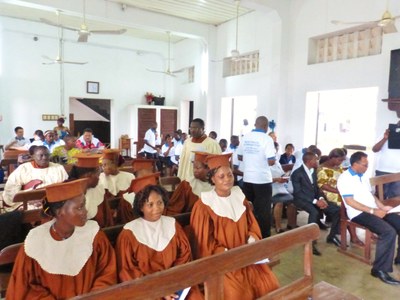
(149, 97)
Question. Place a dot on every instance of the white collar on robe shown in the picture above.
(155, 235)
(199, 186)
(231, 207)
(94, 197)
(66, 257)
(117, 183)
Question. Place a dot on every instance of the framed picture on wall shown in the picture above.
(92, 87)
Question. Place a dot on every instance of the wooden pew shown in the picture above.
(28, 196)
(379, 181)
(211, 270)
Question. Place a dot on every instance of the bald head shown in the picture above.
(261, 123)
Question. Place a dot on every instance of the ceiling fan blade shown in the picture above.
(83, 37)
(47, 57)
(154, 71)
(119, 31)
(51, 23)
(338, 22)
(48, 63)
(73, 62)
(390, 28)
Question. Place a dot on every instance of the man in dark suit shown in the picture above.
(308, 197)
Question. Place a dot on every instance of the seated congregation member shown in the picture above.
(19, 142)
(167, 151)
(49, 142)
(87, 141)
(65, 257)
(364, 208)
(309, 197)
(282, 197)
(288, 157)
(328, 174)
(40, 169)
(98, 209)
(223, 219)
(117, 183)
(189, 191)
(152, 242)
(65, 154)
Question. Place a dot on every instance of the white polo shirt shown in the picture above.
(388, 159)
(351, 184)
(150, 137)
(256, 148)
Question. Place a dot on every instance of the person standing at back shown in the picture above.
(257, 152)
(198, 141)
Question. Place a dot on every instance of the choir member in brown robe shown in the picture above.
(221, 220)
(65, 257)
(188, 191)
(88, 166)
(152, 242)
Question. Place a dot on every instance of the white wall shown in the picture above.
(312, 18)
(29, 89)
(257, 31)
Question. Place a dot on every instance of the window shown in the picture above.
(242, 64)
(346, 44)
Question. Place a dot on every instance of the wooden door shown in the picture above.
(145, 117)
(168, 121)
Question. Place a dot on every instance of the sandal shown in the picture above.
(358, 242)
(280, 231)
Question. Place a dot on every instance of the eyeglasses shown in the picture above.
(364, 165)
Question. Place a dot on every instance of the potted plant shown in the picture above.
(149, 97)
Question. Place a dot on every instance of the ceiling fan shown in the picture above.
(168, 71)
(387, 22)
(83, 30)
(59, 59)
(235, 54)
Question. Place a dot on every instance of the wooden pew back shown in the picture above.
(211, 270)
(379, 181)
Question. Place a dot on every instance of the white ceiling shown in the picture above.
(212, 12)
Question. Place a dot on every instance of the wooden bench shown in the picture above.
(211, 270)
(25, 197)
(379, 181)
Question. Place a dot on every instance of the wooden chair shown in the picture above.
(379, 181)
(211, 270)
(366, 249)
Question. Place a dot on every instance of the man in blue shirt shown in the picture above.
(18, 142)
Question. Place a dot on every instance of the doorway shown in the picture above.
(235, 110)
(91, 113)
(341, 117)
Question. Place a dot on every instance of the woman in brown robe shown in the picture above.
(223, 220)
(88, 166)
(117, 183)
(188, 191)
(65, 257)
(152, 242)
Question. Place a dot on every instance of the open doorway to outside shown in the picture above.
(234, 111)
(341, 117)
(91, 113)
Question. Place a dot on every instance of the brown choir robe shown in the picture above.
(215, 234)
(136, 259)
(30, 281)
(182, 199)
(98, 207)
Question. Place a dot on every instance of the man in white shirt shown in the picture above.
(18, 142)
(364, 208)
(387, 162)
(150, 138)
(257, 152)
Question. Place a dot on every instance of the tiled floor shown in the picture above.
(347, 273)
